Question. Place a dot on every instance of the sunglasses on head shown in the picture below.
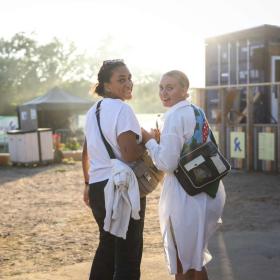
(112, 61)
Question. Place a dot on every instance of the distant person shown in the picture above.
(187, 222)
(115, 258)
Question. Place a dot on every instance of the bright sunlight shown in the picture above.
(152, 36)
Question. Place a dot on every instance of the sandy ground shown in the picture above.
(46, 232)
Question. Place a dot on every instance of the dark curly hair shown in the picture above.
(105, 74)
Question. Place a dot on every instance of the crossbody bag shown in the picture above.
(201, 165)
(148, 176)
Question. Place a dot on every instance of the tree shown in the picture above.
(145, 94)
(28, 69)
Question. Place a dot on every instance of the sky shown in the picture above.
(151, 35)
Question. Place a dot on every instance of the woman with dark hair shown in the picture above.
(115, 258)
(187, 222)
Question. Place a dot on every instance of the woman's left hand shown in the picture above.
(155, 133)
(146, 136)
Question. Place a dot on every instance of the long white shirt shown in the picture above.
(186, 222)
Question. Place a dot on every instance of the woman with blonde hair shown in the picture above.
(187, 222)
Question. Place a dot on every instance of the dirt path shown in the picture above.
(45, 227)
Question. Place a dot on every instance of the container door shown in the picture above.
(12, 147)
(20, 146)
(275, 77)
(32, 147)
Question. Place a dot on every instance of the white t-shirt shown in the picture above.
(116, 117)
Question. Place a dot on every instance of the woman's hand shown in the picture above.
(155, 133)
(86, 195)
(146, 136)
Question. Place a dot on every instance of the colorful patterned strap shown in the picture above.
(202, 132)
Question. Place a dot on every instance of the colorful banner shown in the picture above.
(237, 145)
(266, 146)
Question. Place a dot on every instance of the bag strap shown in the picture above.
(107, 145)
(213, 138)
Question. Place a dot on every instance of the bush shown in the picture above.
(72, 144)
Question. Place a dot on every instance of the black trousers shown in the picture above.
(116, 258)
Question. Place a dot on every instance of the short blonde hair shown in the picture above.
(180, 77)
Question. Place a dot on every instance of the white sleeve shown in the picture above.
(175, 132)
(127, 121)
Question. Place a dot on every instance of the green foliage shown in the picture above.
(78, 87)
(72, 144)
(145, 95)
(29, 69)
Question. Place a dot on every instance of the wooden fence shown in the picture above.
(247, 144)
